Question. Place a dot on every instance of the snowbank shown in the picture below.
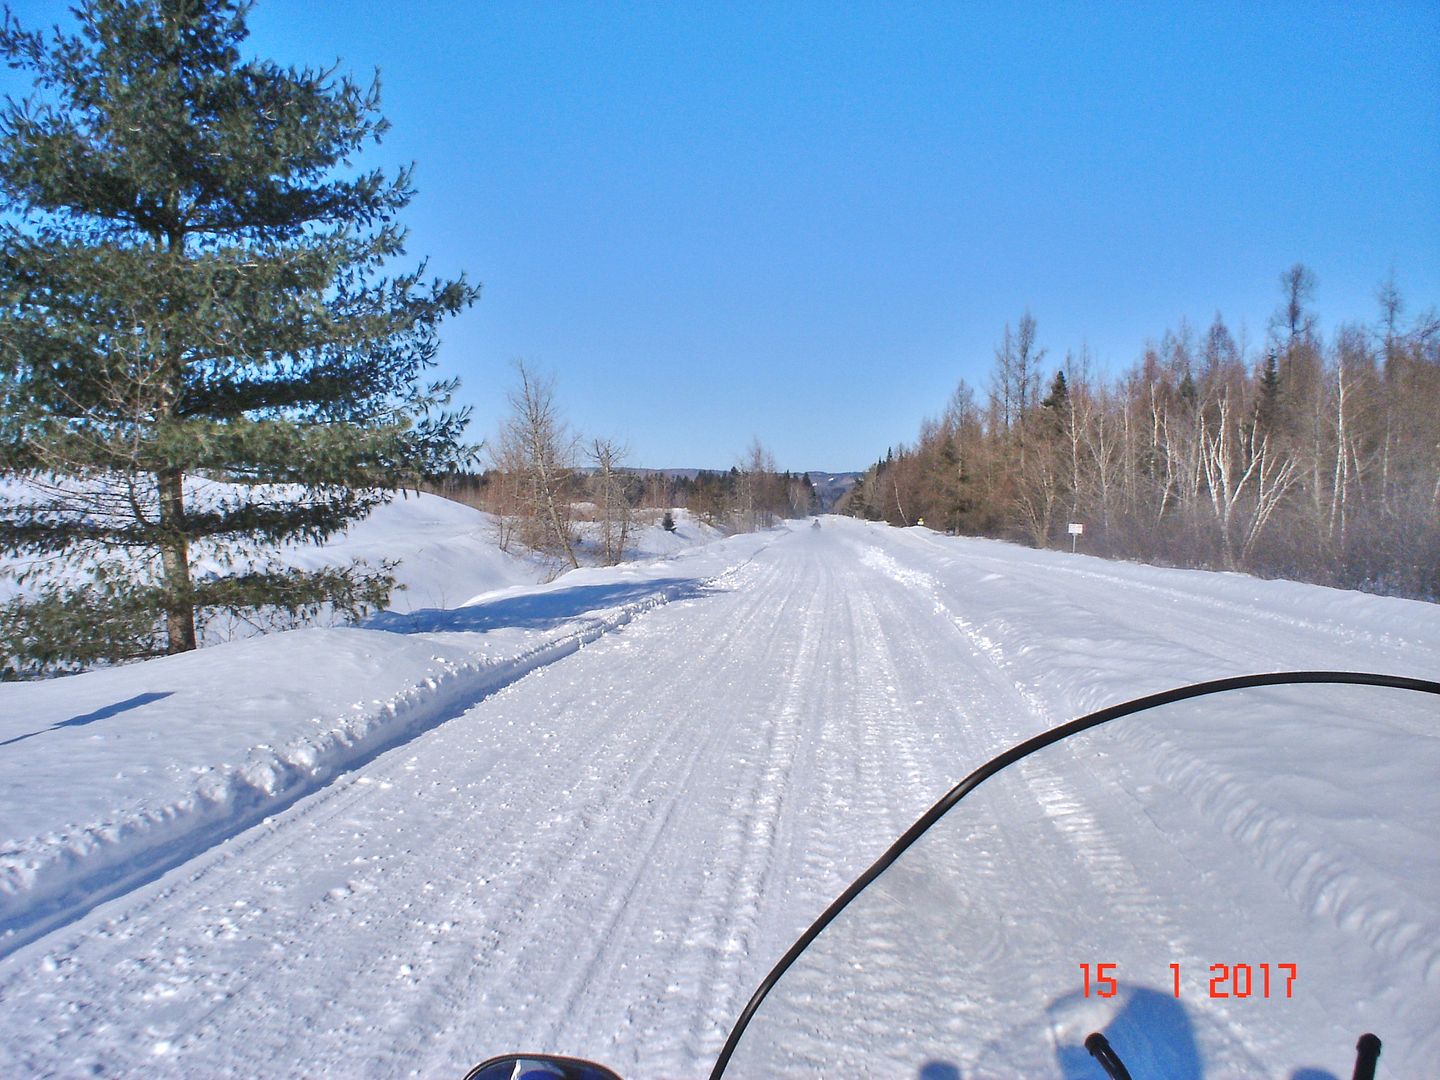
(112, 776)
(447, 551)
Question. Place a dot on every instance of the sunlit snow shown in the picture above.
(587, 816)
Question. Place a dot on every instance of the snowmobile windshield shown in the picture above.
(1238, 883)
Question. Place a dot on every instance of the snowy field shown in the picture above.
(588, 816)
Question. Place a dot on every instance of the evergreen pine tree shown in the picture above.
(1267, 407)
(1189, 393)
(1058, 399)
(193, 287)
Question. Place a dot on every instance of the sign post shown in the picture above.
(1076, 529)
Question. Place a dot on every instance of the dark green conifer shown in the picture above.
(1058, 399)
(1267, 408)
(193, 287)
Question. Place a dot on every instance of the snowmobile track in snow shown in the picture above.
(604, 857)
(424, 708)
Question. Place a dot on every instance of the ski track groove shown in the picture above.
(434, 702)
(1070, 814)
(535, 911)
(1313, 883)
(202, 880)
(1234, 634)
(755, 619)
(748, 840)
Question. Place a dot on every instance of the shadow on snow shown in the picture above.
(99, 714)
(533, 611)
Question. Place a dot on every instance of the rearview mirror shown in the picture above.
(539, 1067)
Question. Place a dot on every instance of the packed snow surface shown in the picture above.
(586, 817)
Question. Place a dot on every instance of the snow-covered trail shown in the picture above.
(606, 856)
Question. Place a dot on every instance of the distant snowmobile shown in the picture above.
(883, 986)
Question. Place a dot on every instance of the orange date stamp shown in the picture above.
(1224, 980)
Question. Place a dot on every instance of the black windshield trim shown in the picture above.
(1023, 750)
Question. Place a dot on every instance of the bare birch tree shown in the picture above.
(758, 489)
(537, 450)
(1321, 461)
(613, 512)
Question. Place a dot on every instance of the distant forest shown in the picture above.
(739, 499)
(546, 484)
(1317, 459)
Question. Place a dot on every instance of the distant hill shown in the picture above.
(831, 486)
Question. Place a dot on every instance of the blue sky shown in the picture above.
(807, 222)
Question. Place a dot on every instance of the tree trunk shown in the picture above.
(175, 562)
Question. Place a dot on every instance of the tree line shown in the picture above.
(1318, 458)
(544, 482)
